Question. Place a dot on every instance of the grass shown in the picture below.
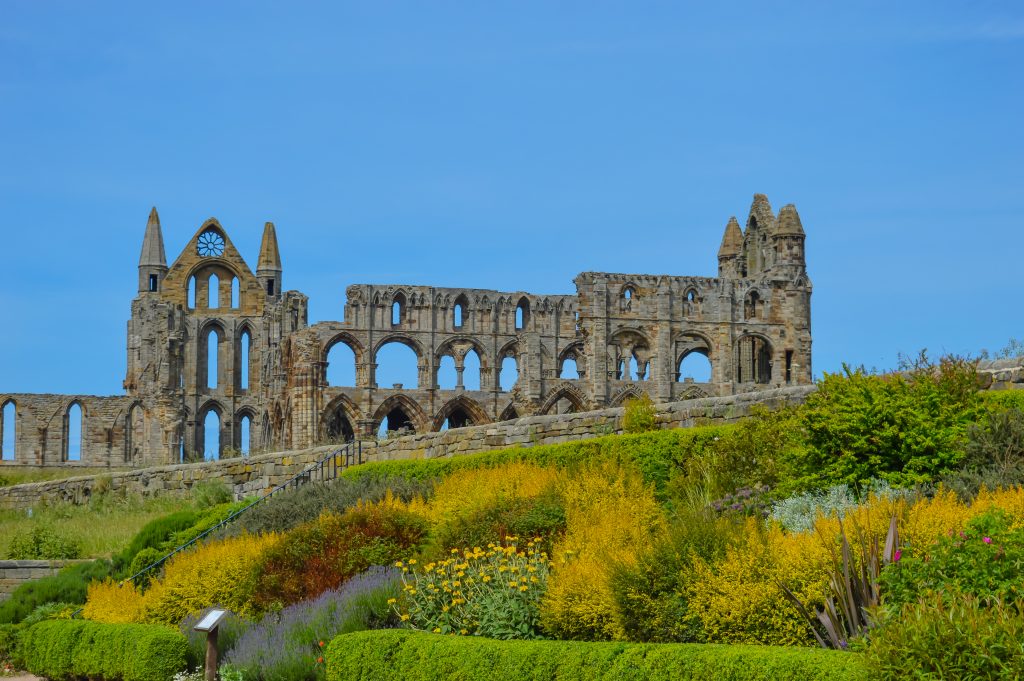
(103, 526)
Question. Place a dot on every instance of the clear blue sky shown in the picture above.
(511, 146)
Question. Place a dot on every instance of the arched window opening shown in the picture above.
(509, 373)
(563, 406)
(397, 364)
(8, 431)
(754, 360)
(397, 309)
(135, 436)
(628, 294)
(244, 440)
(244, 349)
(457, 315)
(396, 422)
(522, 314)
(191, 293)
(235, 293)
(577, 321)
(213, 291)
(694, 367)
(447, 377)
(73, 433)
(752, 306)
(471, 371)
(457, 418)
(211, 436)
(569, 368)
(341, 365)
(212, 358)
(339, 428)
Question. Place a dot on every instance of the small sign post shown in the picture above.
(209, 624)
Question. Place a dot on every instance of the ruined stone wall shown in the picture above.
(255, 475)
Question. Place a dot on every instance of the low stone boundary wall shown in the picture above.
(14, 573)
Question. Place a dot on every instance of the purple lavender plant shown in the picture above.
(288, 646)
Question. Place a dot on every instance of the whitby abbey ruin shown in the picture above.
(210, 341)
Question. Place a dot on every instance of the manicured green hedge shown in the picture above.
(402, 655)
(656, 454)
(72, 649)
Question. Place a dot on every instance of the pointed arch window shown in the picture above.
(243, 353)
(235, 293)
(8, 431)
(522, 314)
(397, 309)
(192, 293)
(74, 421)
(213, 290)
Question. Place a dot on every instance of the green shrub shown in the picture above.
(994, 454)
(903, 428)
(73, 649)
(650, 596)
(209, 519)
(542, 516)
(983, 560)
(289, 509)
(207, 493)
(154, 535)
(403, 655)
(43, 543)
(798, 512)
(639, 415)
(67, 586)
(10, 654)
(960, 638)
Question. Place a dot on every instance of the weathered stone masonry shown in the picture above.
(628, 334)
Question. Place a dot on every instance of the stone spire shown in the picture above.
(788, 223)
(153, 244)
(732, 240)
(268, 268)
(153, 260)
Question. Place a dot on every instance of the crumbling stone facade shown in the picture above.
(208, 335)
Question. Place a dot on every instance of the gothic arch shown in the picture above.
(753, 358)
(509, 413)
(404, 339)
(331, 425)
(349, 339)
(420, 421)
(445, 349)
(629, 392)
(476, 413)
(567, 391)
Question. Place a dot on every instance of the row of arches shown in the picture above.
(209, 432)
(461, 312)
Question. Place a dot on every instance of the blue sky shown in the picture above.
(511, 146)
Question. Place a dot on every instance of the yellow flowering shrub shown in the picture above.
(1010, 500)
(467, 491)
(611, 517)
(217, 573)
(114, 603)
(738, 598)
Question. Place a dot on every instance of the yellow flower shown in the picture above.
(412, 561)
(405, 618)
(522, 588)
(437, 630)
(392, 601)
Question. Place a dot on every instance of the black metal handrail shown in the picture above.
(324, 470)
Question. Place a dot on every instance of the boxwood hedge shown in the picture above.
(414, 656)
(64, 650)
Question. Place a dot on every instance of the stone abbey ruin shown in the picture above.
(208, 335)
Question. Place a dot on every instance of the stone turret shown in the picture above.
(788, 244)
(153, 260)
(755, 239)
(268, 268)
(729, 251)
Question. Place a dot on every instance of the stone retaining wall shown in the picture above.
(258, 474)
(14, 573)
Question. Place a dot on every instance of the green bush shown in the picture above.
(994, 454)
(289, 509)
(67, 586)
(154, 535)
(650, 595)
(960, 638)
(904, 428)
(983, 560)
(639, 415)
(404, 655)
(542, 516)
(207, 493)
(10, 655)
(73, 649)
(43, 543)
